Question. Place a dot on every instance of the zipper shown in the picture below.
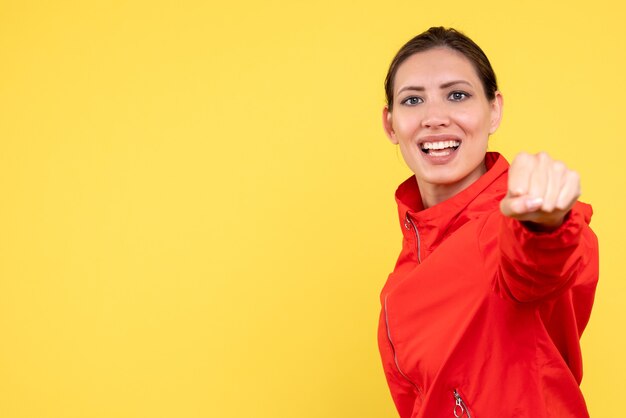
(395, 355)
(408, 223)
(460, 409)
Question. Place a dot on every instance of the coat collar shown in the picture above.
(438, 221)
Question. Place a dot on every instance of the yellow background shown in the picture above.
(197, 208)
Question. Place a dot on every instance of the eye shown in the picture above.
(412, 101)
(458, 96)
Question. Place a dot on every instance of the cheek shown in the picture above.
(473, 121)
(406, 125)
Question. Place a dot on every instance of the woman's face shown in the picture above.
(441, 118)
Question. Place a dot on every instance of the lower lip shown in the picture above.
(440, 159)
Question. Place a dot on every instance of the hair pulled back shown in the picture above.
(440, 37)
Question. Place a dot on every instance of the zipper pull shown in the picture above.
(460, 408)
(409, 224)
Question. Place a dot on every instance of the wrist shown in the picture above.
(547, 225)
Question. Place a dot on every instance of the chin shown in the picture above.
(444, 177)
(443, 181)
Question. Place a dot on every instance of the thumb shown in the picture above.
(517, 206)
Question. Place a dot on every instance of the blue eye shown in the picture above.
(458, 96)
(412, 101)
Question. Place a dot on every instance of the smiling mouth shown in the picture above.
(439, 148)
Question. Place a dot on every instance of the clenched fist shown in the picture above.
(541, 190)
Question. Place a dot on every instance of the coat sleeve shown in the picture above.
(535, 266)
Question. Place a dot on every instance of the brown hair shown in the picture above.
(438, 37)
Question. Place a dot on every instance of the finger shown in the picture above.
(569, 192)
(519, 174)
(554, 185)
(539, 177)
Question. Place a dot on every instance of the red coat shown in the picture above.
(481, 317)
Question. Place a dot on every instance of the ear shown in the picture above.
(388, 126)
(496, 112)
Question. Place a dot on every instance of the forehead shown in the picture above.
(434, 67)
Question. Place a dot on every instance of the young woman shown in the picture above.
(494, 285)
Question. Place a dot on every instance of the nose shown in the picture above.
(435, 115)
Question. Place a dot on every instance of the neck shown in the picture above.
(433, 194)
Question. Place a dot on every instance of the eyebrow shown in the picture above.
(442, 86)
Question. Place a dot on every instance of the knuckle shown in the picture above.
(521, 157)
(543, 156)
(559, 166)
(574, 176)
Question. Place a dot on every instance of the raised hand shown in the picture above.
(541, 190)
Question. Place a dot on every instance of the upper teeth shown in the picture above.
(440, 144)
